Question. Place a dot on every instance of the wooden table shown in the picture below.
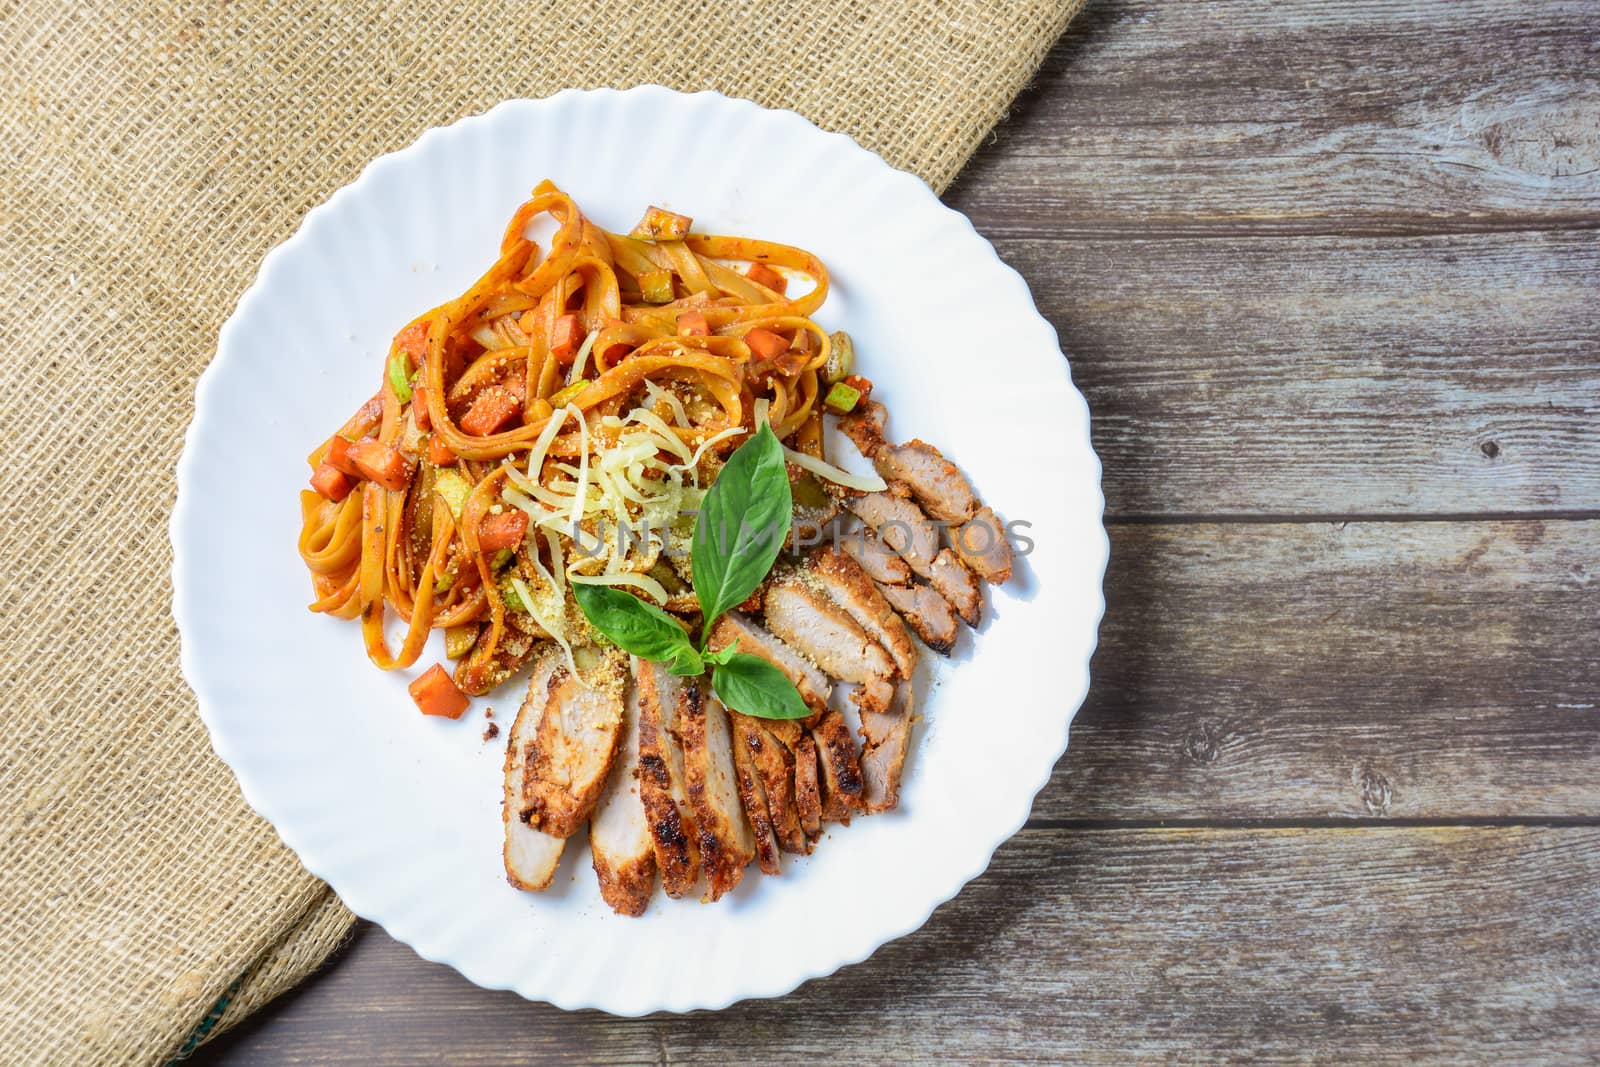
(1329, 276)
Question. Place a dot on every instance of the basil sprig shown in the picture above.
(743, 523)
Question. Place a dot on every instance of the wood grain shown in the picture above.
(1333, 375)
(1295, 116)
(1389, 946)
(1428, 670)
(1313, 263)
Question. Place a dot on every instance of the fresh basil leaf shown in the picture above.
(637, 627)
(753, 686)
(720, 655)
(742, 525)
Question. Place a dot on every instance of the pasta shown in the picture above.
(526, 429)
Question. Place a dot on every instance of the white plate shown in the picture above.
(399, 812)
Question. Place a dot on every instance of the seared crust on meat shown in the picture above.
(852, 590)
(864, 426)
(983, 547)
(804, 616)
(950, 579)
(619, 833)
(746, 636)
(886, 737)
(939, 486)
(771, 754)
(726, 842)
(661, 780)
(572, 750)
(902, 527)
(926, 612)
(807, 786)
(905, 530)
(530, 855)
(841, 771)
(753, 795)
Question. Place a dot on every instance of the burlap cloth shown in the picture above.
(153, 154)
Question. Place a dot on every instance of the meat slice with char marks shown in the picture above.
(619, 834)
(725, 840)
(939, 486)
(927, 613)
(981, 543)
(530, 855)
(886, 738)
(850, 587)
(580, 721)
(753, 795)
(770, 745)
(841, 769)
(662, 785)
(800, 614)
(807, 786)
(906, 531)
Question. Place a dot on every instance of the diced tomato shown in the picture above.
(494, 407)
(413, 341)
(505, 530)
(566, 337)
(436, 693)
(693, 324)
(762, 274)
(383, 463)
(439, 453)
(859, 384)
(338, 457)
(332, 483)
(765, 344)
(419, 405)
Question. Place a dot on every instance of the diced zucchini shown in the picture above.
(454, 489)
(841, 357)
(400, 377)
(458, 640)
(656, 285)
(842, 398)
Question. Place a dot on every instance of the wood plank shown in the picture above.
(1290, 116)
(1333, 375)
(1368, 670)
(1392, 946)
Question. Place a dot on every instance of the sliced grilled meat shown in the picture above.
(662, 788)
(886, 737)
(726, 843)
(802, 615)
(619, 833)
(849, 587)
(753, 794)
(983, 547)
(807, 786)
(771, 755)
(927, 613)
(905, 530)
(745, 635)
(879, 563)
(580, 721)
(841, 770)
(530, 855)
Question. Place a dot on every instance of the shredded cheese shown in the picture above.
(638, 581)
